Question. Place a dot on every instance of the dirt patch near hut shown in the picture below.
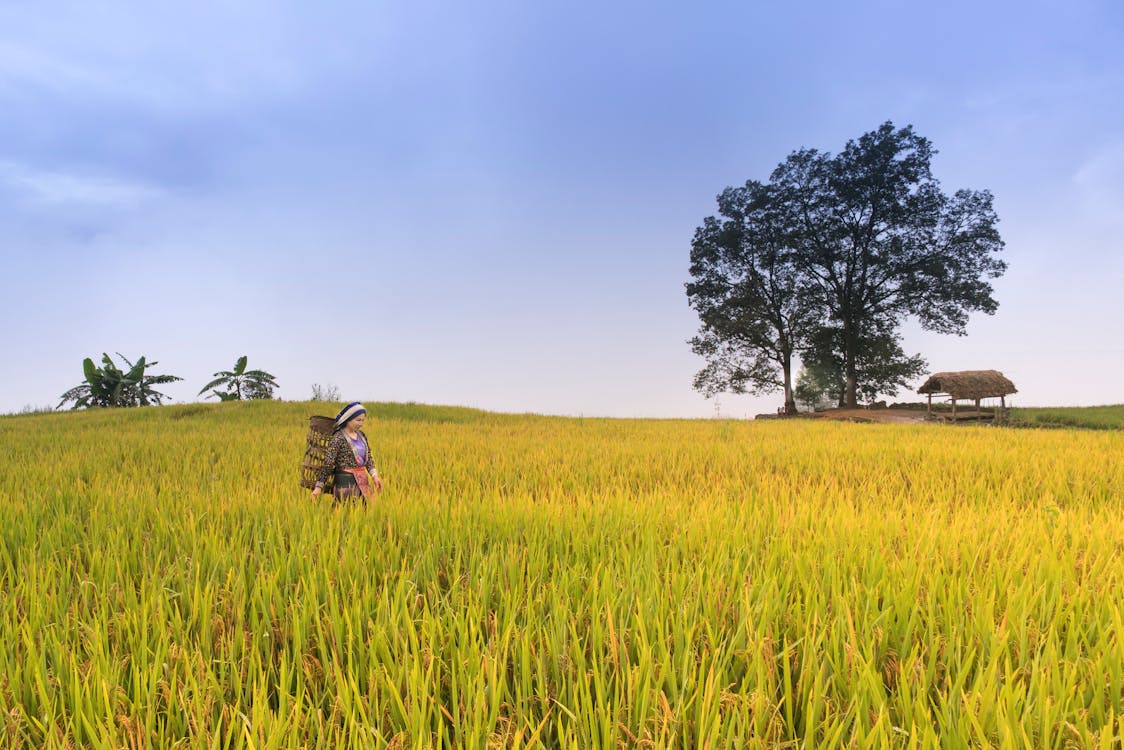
(885, 416)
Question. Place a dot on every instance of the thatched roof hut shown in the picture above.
(969, 384)
(972, 385)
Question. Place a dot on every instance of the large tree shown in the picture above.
(879, 241)
(869, 239)
(746, 291)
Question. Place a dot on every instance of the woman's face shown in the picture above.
(357, 423)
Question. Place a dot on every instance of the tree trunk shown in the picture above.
(850, 346)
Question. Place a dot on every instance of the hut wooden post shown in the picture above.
(929, 409)
(953, 410)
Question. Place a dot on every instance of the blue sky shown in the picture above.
(491, 204)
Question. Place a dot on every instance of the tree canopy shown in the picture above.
(827, 260)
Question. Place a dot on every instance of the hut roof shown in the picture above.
(969, 384)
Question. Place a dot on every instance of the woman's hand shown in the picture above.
(378, 482)
(316, 493)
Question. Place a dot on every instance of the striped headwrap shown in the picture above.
(348, 413)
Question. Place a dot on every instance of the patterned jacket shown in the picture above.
(341, 456)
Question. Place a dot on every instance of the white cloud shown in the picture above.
(55, 187)
(199, 59)
(22, 65)
(1105, 169)
(1099, 183)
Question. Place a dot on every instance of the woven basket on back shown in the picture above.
(319, 435)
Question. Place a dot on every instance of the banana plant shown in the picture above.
(110, 386)
(240, 383)
(138, 390)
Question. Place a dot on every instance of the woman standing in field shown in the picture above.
(349, 458)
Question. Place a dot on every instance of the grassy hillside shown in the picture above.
(1085, 417)
(531, 581)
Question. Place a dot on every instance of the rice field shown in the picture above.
(1088, 417)
(534, 582)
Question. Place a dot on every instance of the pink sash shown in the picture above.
(362, 476)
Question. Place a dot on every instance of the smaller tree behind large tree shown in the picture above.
(241, 384)
(882, 367)
(818, 387)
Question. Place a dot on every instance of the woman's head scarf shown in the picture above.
(348, 413)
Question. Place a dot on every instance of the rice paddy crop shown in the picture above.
(561, 583)
(1087, 417)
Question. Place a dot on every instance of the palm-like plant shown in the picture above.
(241, 384)
(109, 385)
(140, 391)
